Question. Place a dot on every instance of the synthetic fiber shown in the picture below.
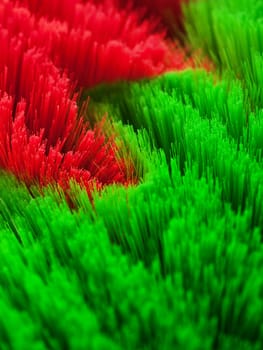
(131, 175)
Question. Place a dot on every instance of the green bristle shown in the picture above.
(255, 137)
(133, 146)
(133, 104)
(167, 251)
(218, 141)
(230, 33)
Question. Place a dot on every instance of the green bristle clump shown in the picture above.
(124, 271)
(230, 32)
(207, 127)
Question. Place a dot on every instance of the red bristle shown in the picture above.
(92, 59)
(30, 75)
(100, 43)
(16, 18)
(42, 139)
(42, 48)
(27, 155)
(51, 9)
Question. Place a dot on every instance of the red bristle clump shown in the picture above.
(28, 156)
(42, 138)
(102, 42)
(48, 51)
